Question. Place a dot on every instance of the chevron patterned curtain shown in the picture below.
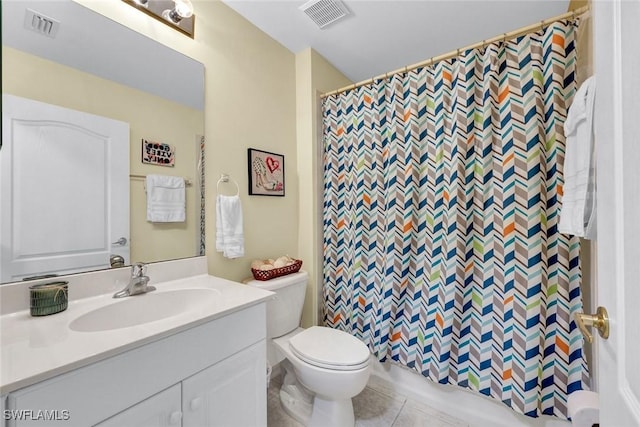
(442, 189)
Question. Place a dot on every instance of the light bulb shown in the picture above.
(184, 8)
(181, 9)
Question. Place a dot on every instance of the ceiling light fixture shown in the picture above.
(177, 14)
(182, 9)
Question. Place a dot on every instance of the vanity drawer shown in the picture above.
(95, 392)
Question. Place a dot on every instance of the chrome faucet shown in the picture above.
(138, 284)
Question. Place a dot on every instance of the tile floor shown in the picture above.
(379, 405)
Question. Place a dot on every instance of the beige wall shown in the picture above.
(32, 77)
(314, 76)
(249, 102)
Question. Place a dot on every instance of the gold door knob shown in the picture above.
(600, 321)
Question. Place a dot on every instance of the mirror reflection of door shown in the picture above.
(97, 65)
(64, 186)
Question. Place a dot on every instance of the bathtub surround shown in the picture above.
(442, 191)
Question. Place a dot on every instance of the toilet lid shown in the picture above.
(330, 348)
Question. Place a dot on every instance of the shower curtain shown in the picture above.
(442, 188)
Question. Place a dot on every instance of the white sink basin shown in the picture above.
(145, 308)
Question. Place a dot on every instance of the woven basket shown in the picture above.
(48, 298)
(277, 272)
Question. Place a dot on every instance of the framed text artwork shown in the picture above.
(266, 173)
(158, 153)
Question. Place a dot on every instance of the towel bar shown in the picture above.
(187, 181)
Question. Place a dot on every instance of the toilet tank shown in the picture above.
(285, 309)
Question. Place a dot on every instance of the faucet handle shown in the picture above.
(138, 269)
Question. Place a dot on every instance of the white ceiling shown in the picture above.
(384, 35)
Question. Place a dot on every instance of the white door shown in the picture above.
(64, 190)
(617, 131)
(232, 392)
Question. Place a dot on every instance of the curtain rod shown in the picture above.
(503, 37)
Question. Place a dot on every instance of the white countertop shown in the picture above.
(37, 348)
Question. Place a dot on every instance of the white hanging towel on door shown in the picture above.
(165, 198)
(578, 212)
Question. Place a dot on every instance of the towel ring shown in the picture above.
(225, 178)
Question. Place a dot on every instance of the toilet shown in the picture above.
(324, 367)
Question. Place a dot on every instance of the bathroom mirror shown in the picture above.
(64, 54)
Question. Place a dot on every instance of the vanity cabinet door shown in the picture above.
(160, 410)
(231, 393)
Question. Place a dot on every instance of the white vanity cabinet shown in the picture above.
(213, 374)
(229, 393)
(160, 410)
(226, 394)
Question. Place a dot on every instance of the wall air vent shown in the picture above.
(41, 24)
(325, 12)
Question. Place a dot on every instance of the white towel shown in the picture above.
(229, 234)
(165, 198)
(578, 212)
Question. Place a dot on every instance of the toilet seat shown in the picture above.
(330, 349)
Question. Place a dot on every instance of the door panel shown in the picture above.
(160, 410)
(229, 393)
(64, 186)
(617, 132)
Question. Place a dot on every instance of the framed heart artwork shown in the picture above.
(266, 173)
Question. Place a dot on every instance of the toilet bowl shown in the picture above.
(331, 364)
(328, 364)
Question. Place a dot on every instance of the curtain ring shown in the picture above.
(504, 40)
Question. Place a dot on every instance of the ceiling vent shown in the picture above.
(41, 24)
(325, 12)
